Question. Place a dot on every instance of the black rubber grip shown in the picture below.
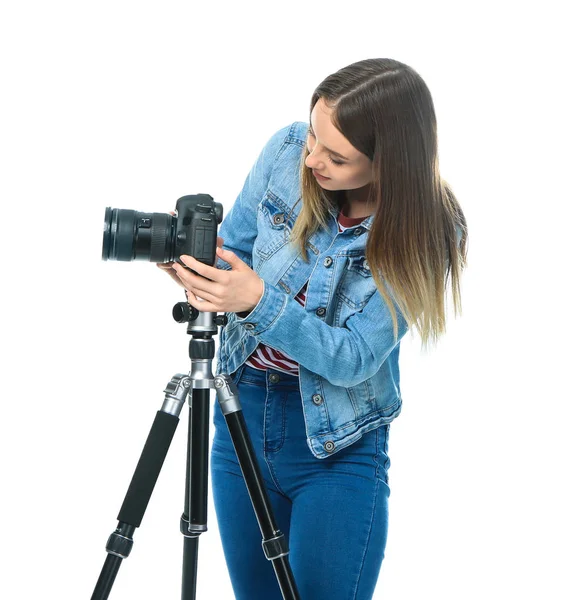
(148, 469)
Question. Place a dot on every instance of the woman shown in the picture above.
(341, 240)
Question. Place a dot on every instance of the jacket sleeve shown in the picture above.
(348, 355)
(238, 228)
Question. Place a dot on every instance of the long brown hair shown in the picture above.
(385, 110)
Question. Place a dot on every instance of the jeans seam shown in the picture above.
(377, 484)
(273, 475)
(283, 409)
(379, 468)
(387, 461)
(377, 453)
(264, 452)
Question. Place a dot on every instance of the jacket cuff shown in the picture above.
(269, 308)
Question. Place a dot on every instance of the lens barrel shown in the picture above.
(131, 235)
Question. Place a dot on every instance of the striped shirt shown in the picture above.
(264, 356)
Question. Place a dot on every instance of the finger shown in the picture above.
(195, 282)
(203, 306)
(206, 295)
(198, 287)
(207, 271)
(172, 273)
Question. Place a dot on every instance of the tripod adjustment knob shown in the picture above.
(221, 320)
(183, 312)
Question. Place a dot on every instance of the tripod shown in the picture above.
(201, 326)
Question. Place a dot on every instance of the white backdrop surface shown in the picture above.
(134, 104)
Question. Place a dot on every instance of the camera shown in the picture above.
(162, 237)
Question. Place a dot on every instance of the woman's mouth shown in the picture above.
(319, 177)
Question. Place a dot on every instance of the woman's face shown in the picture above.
(326, 145)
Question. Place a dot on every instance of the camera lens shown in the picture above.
(132, 235)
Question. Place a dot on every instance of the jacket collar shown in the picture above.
(366, 223)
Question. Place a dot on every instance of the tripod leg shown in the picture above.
(143, 482)
(194, 518)
(274, 543)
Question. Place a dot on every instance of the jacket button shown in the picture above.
(357, 230)
(249, 325)
(329, 446)
(321, 311)
(317, 399)
(278, 219)
(328, 261)
(366, 265)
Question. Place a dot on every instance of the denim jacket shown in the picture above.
(343, 337)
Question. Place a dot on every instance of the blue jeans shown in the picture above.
(333, 511)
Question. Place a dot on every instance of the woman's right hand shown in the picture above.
(168, 266)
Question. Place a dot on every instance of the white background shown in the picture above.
(134, 104)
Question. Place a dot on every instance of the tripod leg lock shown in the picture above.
(275, 547)
(119, 545)
(191, 530)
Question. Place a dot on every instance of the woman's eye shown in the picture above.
(336, 162)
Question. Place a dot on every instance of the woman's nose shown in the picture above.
(311, 161)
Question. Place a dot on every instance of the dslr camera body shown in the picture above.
(162, 237)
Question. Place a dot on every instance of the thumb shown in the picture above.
(229, 257)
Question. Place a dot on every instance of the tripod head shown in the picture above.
(183, 312)
(201, 326)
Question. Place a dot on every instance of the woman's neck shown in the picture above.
(354, 210)
(354, 203)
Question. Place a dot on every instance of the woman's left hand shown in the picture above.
(237, 290)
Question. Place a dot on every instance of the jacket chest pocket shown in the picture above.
(274, 226)
(356, 285)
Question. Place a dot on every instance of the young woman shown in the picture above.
(343, 237)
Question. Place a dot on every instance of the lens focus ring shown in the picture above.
(161, 233)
